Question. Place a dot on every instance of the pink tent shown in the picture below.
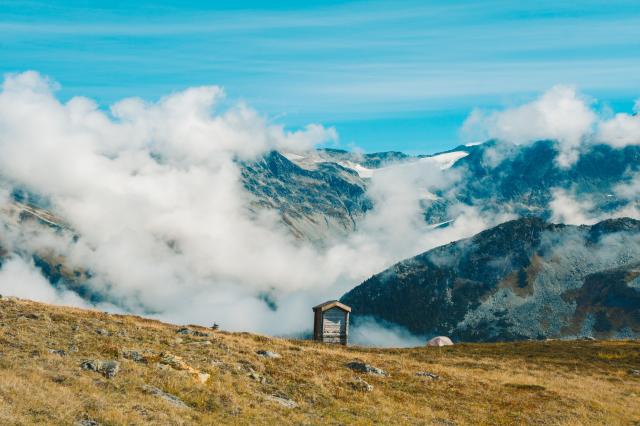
(440, 341)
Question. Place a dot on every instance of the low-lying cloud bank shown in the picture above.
(153, 195)
(159, 216)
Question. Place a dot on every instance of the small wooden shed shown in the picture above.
(331, 322)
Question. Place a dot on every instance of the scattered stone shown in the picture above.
(257, 377)
(428, 375)
(58, 352)
(365, 368)
(102, 332)
(202, 377)
(172, 399)
(87, 422)
(178, 363)
(173, 361)
(268, 354)
(32, 315)
(634, 373)
(440, 341)
(135, 356)
(361, 385)
(287, 403)
(188, 331)
(109, 369)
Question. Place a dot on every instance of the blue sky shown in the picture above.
(388, 75)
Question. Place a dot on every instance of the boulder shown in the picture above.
(365, 368)
(187, 331)
(427, 375)
(440, 341)
(87, 422)
(359, 384)
(135, 356)
(268, 354)
(109, 369)
(285, 402)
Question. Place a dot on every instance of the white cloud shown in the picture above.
(154, 193)
(369, 332)
(567, 209)
(21, 279)
(559, 114)
(621, 130)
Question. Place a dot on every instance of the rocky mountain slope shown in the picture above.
(524, 279)
(522, 179)
(315, 202)
(70, 366)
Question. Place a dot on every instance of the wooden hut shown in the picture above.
(331, 322)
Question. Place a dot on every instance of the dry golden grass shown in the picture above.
(517, 383)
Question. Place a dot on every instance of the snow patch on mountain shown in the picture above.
(445, 160)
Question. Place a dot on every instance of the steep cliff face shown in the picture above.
(522, 279)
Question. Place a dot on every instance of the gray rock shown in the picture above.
(257, 377)
(172, 399)
(134, 356)
(428, 375)
(58, 352)
(285, 402)
(362, 367)
(188, 331)
(87, 422)
(268, 354)
(102, 332)
(634, 373)
(109, 369)
(359, 384)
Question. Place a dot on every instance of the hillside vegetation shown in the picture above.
(69, 366)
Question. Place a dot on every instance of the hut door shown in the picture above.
(333, 324)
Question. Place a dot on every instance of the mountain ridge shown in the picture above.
(522, 279)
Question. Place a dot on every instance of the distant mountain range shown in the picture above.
(523, 279)
(518, 280)
(522, 179)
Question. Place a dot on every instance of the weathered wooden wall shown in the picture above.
(335, 326)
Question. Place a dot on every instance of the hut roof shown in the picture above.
(331, 304)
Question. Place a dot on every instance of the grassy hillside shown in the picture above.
(161, 377)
